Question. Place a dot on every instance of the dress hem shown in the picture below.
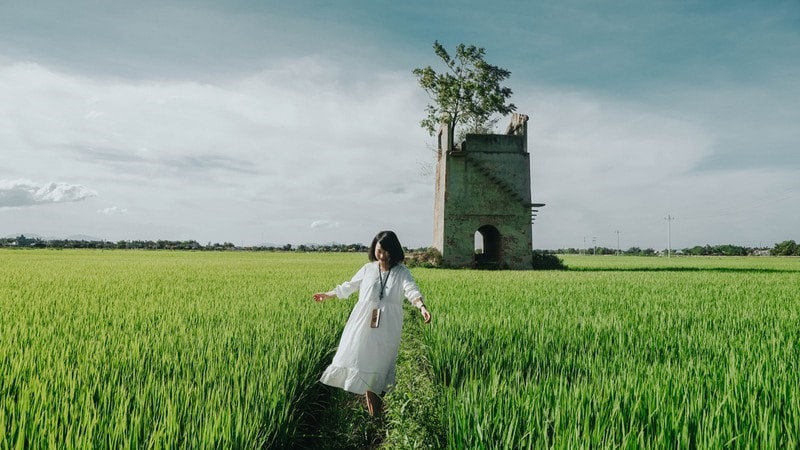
(355, 381)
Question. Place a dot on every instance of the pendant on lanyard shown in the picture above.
(383, 283)
(376, 313)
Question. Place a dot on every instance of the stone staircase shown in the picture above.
(497, 181)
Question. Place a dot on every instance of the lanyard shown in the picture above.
(383, 283)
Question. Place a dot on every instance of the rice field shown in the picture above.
(627, 353)
(130, 349)
(160, 350)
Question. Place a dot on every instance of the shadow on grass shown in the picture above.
(339, 420)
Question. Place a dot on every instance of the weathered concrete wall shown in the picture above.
(494, 143)
(485, 182)
(515, 251)
(441, 189)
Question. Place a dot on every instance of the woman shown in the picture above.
(365, 360)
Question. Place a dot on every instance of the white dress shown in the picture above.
(365, 359)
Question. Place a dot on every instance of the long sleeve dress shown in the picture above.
(365, 359)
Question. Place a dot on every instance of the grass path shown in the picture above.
(338, 420)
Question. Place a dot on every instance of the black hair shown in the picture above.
(391, 244)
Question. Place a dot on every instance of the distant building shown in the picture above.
(482, 209)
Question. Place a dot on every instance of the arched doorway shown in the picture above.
(487, 247)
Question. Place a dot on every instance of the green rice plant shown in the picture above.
(120, 349)
(126, 349)
(680, 263)
(624, 357)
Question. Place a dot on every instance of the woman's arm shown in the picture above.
(320, 296)
(412, 291)
(343, 290)
(418, 303)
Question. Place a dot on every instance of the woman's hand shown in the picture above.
(320, 296)
(425, 314)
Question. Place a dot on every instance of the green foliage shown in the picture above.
(786, 248)
(467, 94)
(544, 260)
(717, 250)
(23, 242)
(731, 264)
(341, 422)
(704, 358)
(413, 411)
(426, 257)
(697, 250)
(121, 349)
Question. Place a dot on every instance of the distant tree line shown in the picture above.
(25, 242)
(633, 251)
(786, 248)
(424, 255)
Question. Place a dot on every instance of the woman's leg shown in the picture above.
(374, 404)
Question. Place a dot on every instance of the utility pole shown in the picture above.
(669, 220)
(617, 241)
(594, 245)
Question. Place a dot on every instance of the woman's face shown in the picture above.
(381, 254)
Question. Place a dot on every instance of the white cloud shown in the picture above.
(262, 157)
(603, 165)
(256, 158)
(324, 224)
(112, 211)
(20, 193)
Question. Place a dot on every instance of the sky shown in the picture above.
(274, 122)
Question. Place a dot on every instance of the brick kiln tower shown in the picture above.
(482, 209)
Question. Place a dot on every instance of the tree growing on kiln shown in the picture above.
(482, 204)
(467, 95)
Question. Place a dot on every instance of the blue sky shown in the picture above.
(298, 122)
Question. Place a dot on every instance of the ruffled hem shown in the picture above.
(355, 381)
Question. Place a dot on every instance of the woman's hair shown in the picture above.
(391, 244)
